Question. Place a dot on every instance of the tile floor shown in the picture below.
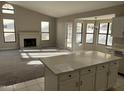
(32, 85)
(38, 85)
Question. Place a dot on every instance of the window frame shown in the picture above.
(89, 33)
(107, 34)
(81, 33)
(8, 9)
(45, 32)
(9, 32)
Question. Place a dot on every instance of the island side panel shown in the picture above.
(51, 80)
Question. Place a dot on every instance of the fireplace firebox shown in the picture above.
(30, 42)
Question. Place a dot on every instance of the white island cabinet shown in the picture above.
(83, 71)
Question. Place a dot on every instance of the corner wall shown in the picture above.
(117, 10)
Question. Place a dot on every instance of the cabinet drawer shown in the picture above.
(88, 70)
(102, 67)
(114, 64)
(68, 75)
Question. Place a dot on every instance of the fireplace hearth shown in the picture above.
(30, 42)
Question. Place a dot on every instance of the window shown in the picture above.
(109, 37)
(89, 33)
(9, 30)
(44, 30)
(102, 33)
(7, 8)
(79, 33)
(104, 36)
(69, 35)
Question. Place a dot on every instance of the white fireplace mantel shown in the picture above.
(27, 35)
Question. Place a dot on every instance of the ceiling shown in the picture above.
(64, 8)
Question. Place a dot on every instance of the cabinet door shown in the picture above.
(101, 77)
(87, 82)
(69, 85)
(117, 27)
(101, 80)
(113, 74)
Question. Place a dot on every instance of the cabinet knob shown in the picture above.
(69, 75)
(103, 66)
(89, 70)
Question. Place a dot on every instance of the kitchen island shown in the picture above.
(84, 71)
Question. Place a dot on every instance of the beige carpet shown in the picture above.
(23, 65)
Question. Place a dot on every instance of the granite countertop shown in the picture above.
(74, 61)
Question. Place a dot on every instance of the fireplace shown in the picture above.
(29, 39)
(30, 42)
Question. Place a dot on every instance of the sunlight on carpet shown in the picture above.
(35, 62)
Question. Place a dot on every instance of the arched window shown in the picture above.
(8, 8)
(8, 24)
